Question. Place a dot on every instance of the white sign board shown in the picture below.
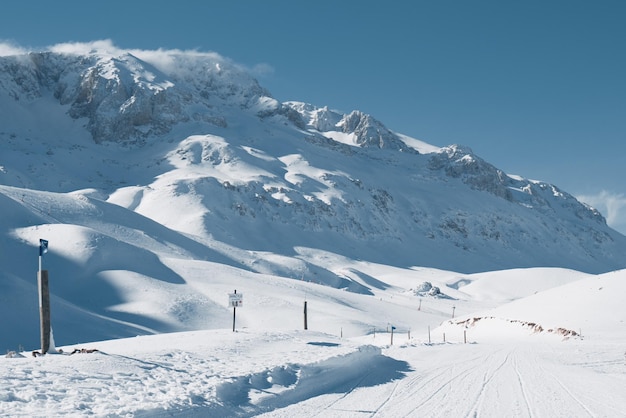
(235, 300)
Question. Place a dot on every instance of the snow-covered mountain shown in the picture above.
(133, 163)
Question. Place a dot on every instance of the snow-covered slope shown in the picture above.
(271, 367)
(128, 161)
(181, 154)
(165, 180)
(167, 132)
(591, 306)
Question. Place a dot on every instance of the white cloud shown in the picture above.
(262, 69)
(82, 48)
(611, 205)
(78, 48)
(9, 48)
(170, 60)
(167, 60)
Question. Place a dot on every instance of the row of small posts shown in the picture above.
(235, 300)
(391, 330)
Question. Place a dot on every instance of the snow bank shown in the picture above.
(212, 373)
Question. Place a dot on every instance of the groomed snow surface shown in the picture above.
(493, 363)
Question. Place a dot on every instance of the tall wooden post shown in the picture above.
(44, 309)
(234, 313)
(305, 317)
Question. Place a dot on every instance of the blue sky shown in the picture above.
(537, 88)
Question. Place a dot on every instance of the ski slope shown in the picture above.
(271, 367)
(501, 380)
(310, 374)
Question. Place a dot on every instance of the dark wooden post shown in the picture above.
(305, 317)
(234, 313)
(44, 309)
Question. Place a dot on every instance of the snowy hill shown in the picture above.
(592, 306)
(270, 368)
(194, 131)
(127, 161)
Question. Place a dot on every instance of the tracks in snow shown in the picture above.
(481, 380)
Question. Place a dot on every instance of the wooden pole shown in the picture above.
(234, 313)
(44, 309)
(305, 317)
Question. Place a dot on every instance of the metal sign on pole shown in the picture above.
(43, 248)
(235, 300)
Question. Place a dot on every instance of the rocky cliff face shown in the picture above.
(126, 99)
(364, 130)
(196, 136)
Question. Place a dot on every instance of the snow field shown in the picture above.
(503, 370)
(147, 239)
(217, 372)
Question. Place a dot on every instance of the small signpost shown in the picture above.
(235, 300)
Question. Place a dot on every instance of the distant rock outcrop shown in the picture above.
(124, 98)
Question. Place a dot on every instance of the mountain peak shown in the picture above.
(128, 96)
(218, 158)
(356, 128)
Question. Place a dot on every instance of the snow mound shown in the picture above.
(227, 374)
(587, 307)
